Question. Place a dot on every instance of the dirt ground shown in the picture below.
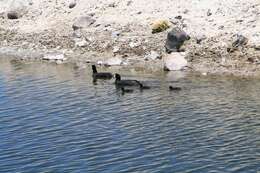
(122, 28)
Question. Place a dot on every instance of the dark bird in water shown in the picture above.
(171, 88)
(142, 87)
(101, 75)
(126, 90)
(122, 83)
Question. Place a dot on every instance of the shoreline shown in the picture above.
(82, 61)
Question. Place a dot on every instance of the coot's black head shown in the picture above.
(94, 69)
(118, 77)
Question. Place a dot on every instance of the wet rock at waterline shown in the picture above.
(115, 61)
(175, 39)
(83, 22)
(59, 57)
(175, 61)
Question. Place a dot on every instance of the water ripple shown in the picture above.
(59, 121)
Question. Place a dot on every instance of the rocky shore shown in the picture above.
(219, 37)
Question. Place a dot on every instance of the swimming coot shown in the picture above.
(171, 88)
(123, 83)
(126, 90)
(101, 75)
(142, 87)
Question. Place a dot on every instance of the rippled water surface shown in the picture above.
(54, 119)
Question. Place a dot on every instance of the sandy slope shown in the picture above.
(228, 13)
(218, 20)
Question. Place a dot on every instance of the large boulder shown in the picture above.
(175, 39)
(17, 8)
(83, 22)
(175, 61)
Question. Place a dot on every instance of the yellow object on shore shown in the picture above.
(160, 25)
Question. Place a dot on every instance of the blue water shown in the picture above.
(54, 119)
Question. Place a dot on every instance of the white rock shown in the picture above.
(114, 61)
(175, 61)
(223, 60)
(55, 56)
(58, 62)
(133, 45)
(115, 34)
(83, 22)
(80, 42)
(153, 56)
(99, 62)
(124, 63)
(116, 49)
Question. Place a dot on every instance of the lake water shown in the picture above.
(54, 119)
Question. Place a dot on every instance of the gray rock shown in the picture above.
(77, 34)
(115, 34)
(13, 15)
(129, 3)
(200, 38)
(257, 47)
(175, 39)
(186, 11)
(112, 5)
(72, 4)
(153, 56)
(83, 22)
(209, 13)
(80, 42)
(240, 40)
(239, 21)
(91, 14)
(116, 49)
(17, 8)
(58, 62)
(221, 27)
(178, 17)
(134, 44)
